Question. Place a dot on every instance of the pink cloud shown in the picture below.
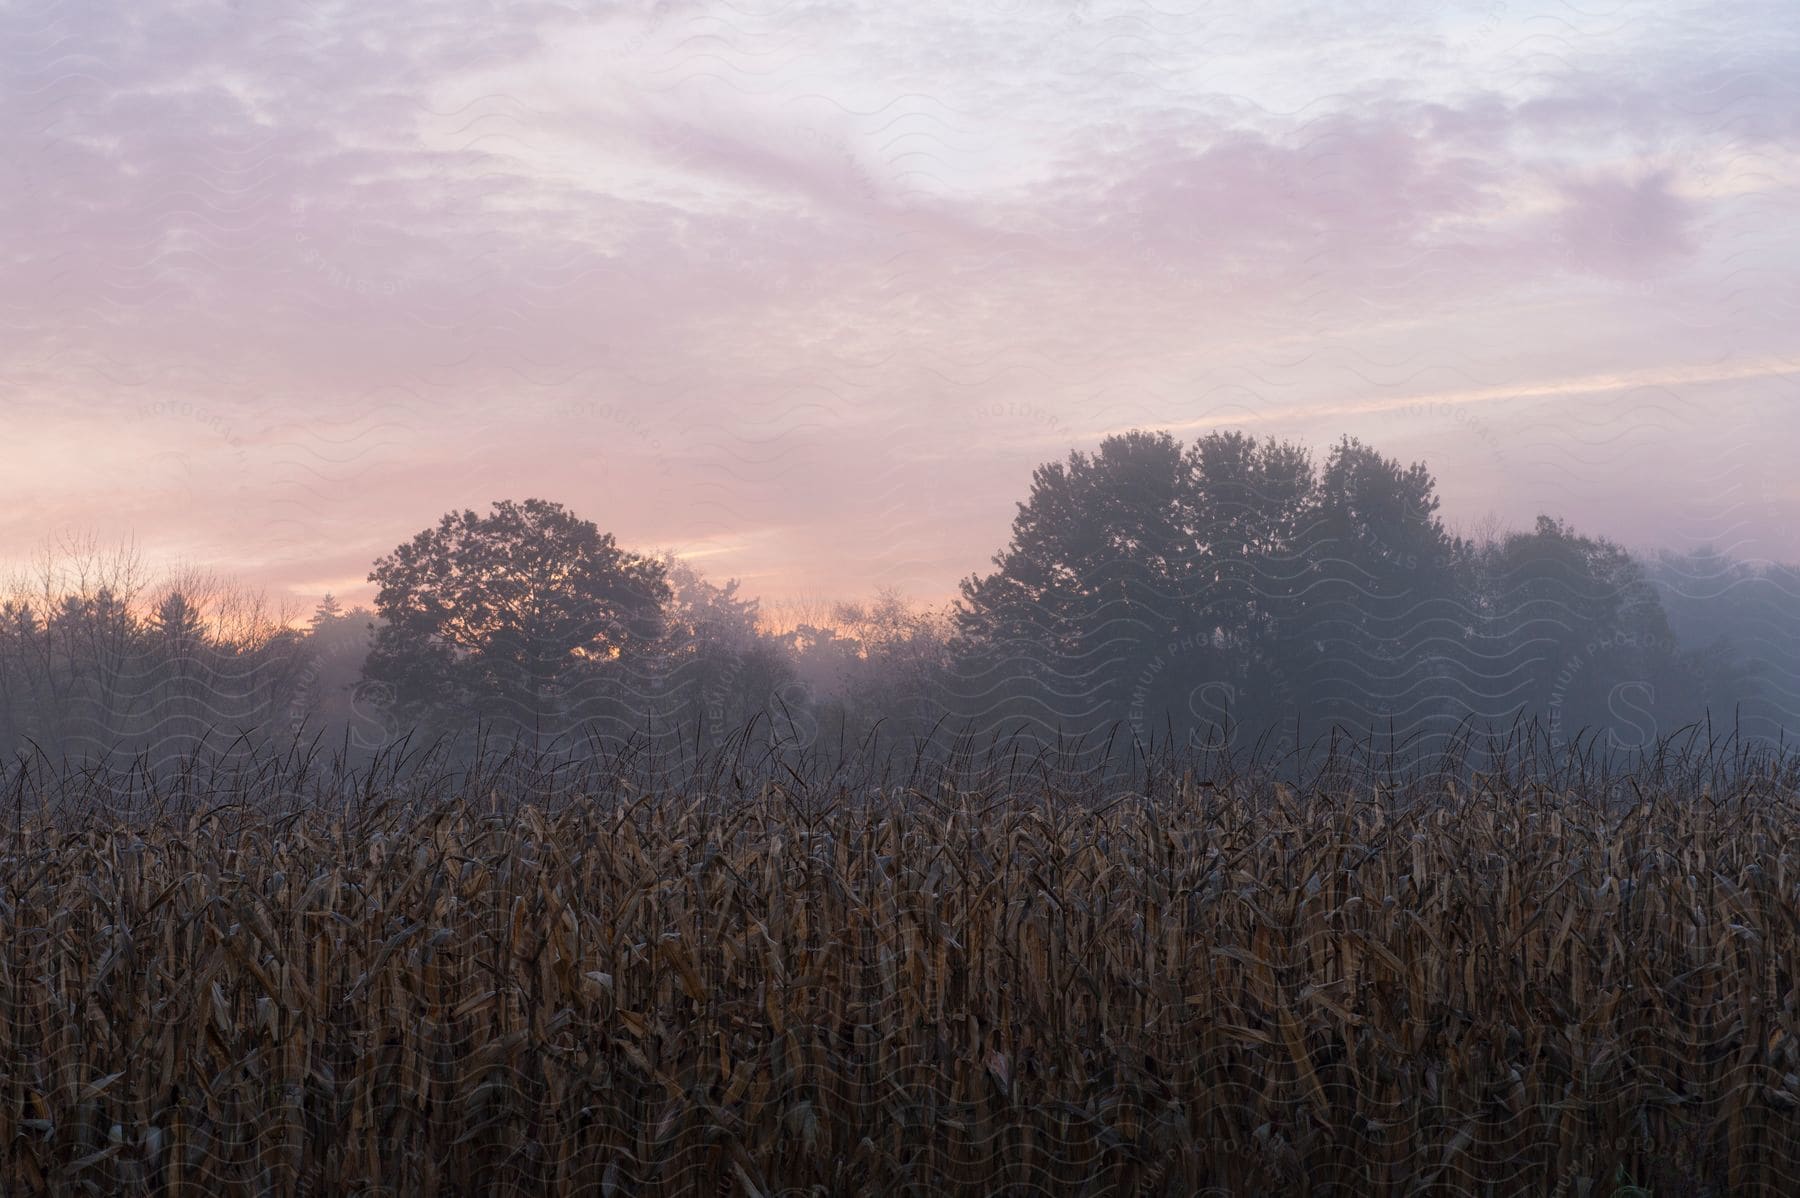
(872, 230)
(1624, 227)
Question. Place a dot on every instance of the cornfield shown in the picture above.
(1464, 983)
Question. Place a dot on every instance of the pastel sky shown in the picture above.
(805, 290)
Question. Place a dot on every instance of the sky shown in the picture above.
(804, 291)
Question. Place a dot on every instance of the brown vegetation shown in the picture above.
(1494, 987)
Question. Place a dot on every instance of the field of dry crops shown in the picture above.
(1481, 989)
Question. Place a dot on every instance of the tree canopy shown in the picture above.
(1217, 583)
(1230, 589)
(514, 614)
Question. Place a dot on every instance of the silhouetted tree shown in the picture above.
(1097, 579)
(96, 664)
(1230, 582)
(514, 616)
(1372, 633)
(1164, 588)
(180, 668)
(1253, 503)
(329, 610)
(1582, 616)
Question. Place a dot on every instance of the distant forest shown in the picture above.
(1232, 592)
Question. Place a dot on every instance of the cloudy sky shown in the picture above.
(805, 290)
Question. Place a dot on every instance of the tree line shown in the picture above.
(1228, 592)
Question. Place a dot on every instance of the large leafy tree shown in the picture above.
(1090, 586)
(1252, 501)
(1218, 584)
(1377, 636)
(1585, 611)
(514, 616)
